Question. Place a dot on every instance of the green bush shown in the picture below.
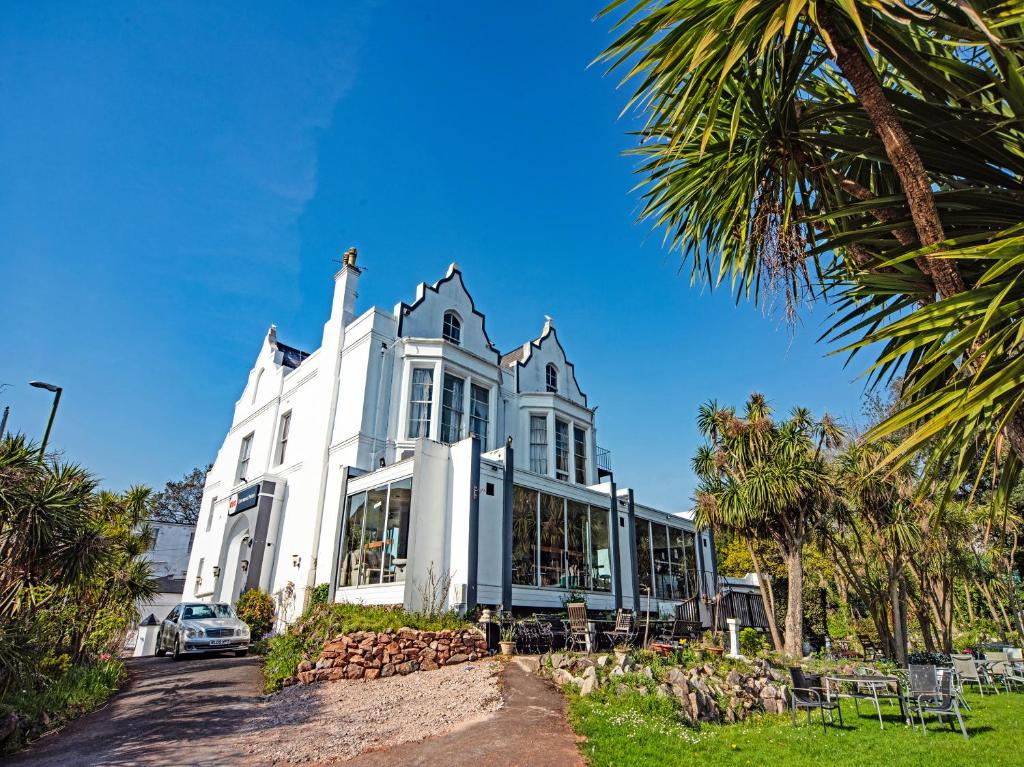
(256, 608)
(76, 691)
(751, 642)
(322, 622)
(319, 594)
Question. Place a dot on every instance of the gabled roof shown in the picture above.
(403, 309)
(521, 355)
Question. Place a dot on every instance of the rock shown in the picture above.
(529, 664)
(388, 669)
(305, 666)
(603, 661)
(354, 671)
(457, 658)
(588, 682)
(428, 665)
(664, 691)
(561, 677)
(557, 659)
(372, 673)
(406, 668)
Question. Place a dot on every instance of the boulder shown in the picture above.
(588, 682)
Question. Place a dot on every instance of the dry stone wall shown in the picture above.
(372, 655)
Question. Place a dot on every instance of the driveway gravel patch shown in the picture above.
(335, 721)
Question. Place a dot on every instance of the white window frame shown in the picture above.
(244, 457)
(424, 424)
(457, 408)
(576, 468)
(541, 452)
(474, 419)
(209, 517)
(567, 447)
(284, 426)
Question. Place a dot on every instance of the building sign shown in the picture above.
(245, 500)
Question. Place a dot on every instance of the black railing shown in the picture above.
(746, 608)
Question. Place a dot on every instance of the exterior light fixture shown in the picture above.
(296, 560)
(53, 409)
(245, 565)
(216, 571)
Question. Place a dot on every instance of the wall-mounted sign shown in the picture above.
(245, 500)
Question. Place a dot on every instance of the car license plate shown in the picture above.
(220, 641)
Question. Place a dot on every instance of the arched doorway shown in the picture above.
(236, 561)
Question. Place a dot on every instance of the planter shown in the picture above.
(716, 651)
(507, 648)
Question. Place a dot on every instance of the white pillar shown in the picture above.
(145, 644)
(734, 637)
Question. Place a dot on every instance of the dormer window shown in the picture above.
(451, 331)
(552, 378)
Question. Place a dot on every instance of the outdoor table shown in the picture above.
(874, 685)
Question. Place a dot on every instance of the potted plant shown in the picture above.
(507, 632)
(712, 642)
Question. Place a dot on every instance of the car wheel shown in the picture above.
(177, 649)
(241, 653)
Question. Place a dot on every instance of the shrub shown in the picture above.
(256, 608)
(319, 594)
(751, 642)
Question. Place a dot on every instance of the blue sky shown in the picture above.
(178, 176)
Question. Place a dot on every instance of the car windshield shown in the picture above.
(224, 611)
(198, 612)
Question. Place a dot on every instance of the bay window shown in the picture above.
(452, 408)
(561, 450)
(539, 444)
(421, 393)
(479, 412)
(579, 442)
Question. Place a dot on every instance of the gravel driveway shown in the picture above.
(182, 713)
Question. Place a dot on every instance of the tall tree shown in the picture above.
(182, 500)
(870, 149)
(767, 479)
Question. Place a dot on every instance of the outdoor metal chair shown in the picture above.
(624, 632)
(955, 685)
(1000, 668)
(579, 626)
(931, 693)
(807, 693)
(968, 672)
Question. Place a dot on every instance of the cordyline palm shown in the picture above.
(872, 149)
(766, 479)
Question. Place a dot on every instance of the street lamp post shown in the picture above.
(53, 410)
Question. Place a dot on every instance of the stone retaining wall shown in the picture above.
(370, 655)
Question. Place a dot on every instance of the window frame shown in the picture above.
(562, 455)
(423, 424)
(579, 459)
(452, 405)
(283, 429)
(244, 457)
(474, 419)
(451, 327)
(551, 378)
(539, 457)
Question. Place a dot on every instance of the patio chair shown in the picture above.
(931, 693)
(1000, 668)
(807, 693)
(956, 687)
(871, 650)
(623, 633)
(579, 626)
(968, 672)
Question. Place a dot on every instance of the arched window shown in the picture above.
(552, 378)
(452, 329)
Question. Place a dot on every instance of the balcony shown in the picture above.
(604, 462)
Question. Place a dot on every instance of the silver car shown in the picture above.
(193, 627)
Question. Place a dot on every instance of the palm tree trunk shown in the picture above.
(901, 153)
(767, 596)
(968, 599)
(794, 644)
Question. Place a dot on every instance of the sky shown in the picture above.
(179, 176)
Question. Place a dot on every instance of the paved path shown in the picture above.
(185, 713)
(529, 730)
(171, 714)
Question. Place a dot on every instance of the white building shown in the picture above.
(408, 460)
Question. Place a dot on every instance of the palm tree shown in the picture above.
(867, 149)
(765, 479)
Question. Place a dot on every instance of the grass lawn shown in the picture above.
(643, 730)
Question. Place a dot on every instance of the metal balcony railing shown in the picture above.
(604, 459)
